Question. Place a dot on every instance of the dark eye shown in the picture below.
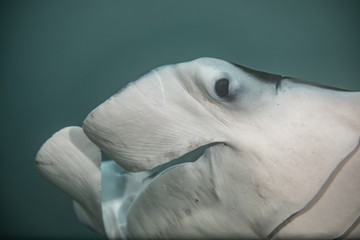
(222, 87)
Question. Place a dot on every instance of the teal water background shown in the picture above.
(60, 59)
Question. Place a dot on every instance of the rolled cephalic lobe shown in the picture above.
(71, 161)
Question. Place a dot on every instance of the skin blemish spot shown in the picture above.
(187, 212)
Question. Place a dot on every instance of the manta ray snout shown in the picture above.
(149, 123)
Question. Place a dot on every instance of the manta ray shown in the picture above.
(211, 149)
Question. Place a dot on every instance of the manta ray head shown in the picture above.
(272, 149)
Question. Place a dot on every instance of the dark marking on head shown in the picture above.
(276, 78)
(263, 76)
(187, 212)
(316, 85)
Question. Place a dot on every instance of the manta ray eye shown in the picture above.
(222, 87)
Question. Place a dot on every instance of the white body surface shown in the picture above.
(280, 158)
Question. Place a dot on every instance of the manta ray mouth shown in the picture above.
(189, 157)
(121, 188)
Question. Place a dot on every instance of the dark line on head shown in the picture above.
(264, 76)
(317, 85)
(276, 78)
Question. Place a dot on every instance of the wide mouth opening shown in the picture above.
(121, 188)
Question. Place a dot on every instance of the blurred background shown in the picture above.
(60, 59)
